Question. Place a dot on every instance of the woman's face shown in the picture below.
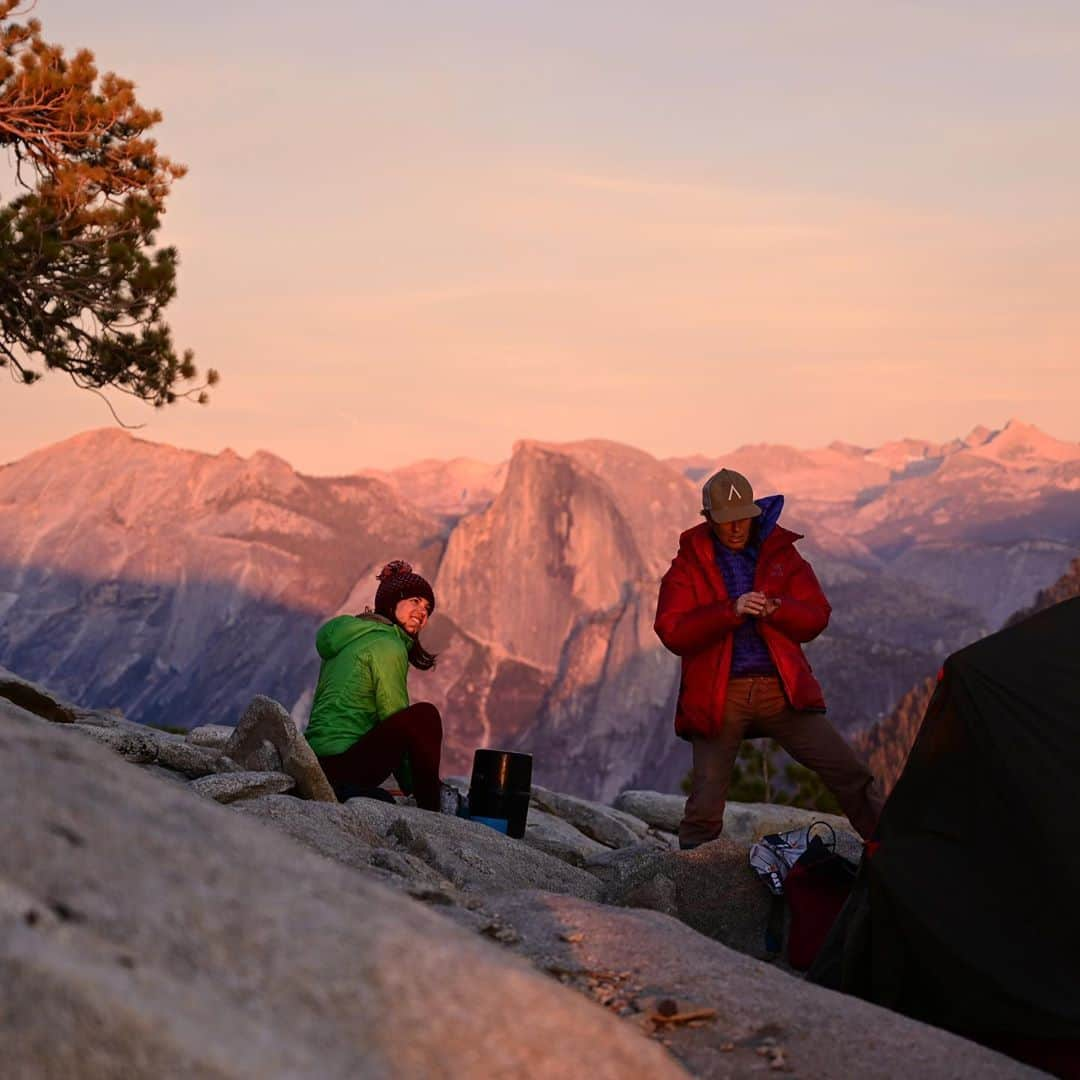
(412, 614)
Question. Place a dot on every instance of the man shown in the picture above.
(736, 606)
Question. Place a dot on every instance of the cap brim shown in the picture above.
(734, 513)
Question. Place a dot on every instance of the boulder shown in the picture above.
(607, 826)
(41, 702)
(615, 866)
(474, 857)
(711, 888)
(36, 699)
(545, 832)
(192, 761)
(329, 828)
(147, 746)
(267, 734)
(230, 787)
(660, 811)
(753, 1020)
(135, 745)
(215, 736)
(334, 831)
(147, 933)
(745, 822)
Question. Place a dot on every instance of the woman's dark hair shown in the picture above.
(420, 658)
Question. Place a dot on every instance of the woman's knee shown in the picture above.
(427, 719)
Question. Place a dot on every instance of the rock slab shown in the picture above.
(231, 787)
(130, 946)
(745, 822)
(606, 825)
(549, 833)
(216, 736)
(267, 737)
(711, 888)
(474, 857)
(757, 1021)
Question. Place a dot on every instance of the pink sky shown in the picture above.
(429, 233)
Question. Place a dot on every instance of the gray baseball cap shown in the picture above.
(728, 496)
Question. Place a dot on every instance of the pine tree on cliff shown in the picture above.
(82, 287)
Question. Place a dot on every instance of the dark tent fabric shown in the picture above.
(967, 907)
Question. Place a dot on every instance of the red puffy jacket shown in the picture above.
(695, 619)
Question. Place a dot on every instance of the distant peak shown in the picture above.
(1017, 426)
(1016, 429)
(264, 457)
(850, 449)
(101, 437)
(978, 435)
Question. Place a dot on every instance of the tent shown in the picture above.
(966, 911)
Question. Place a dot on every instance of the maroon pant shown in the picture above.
(416, 731)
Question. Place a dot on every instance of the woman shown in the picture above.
(362, 726)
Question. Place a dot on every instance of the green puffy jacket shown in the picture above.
(362, 681)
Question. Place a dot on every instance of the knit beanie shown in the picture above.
(397, 582)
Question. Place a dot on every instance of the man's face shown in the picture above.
(734, 535)
(412, 614)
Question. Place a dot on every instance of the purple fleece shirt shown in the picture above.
(750, 655)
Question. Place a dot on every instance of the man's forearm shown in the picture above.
(693, 630)
(798, 619)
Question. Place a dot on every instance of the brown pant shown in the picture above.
(756, 707)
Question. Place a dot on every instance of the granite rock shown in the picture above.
(758, 1020)
(711, 888)
(658, 810)
(215, 736)
(473, 857)
(230, 787)
(144, 932)
(744, 822)
(549, 833)
(606, 825)
(266, 732)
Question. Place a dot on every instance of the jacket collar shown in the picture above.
(697, 543)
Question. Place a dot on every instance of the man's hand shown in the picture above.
(751, 603)
(756, 604)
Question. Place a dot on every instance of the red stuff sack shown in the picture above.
(816, 888)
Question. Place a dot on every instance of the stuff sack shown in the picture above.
(773, 856)
(817, 887)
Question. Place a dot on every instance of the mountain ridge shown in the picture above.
(169, 582)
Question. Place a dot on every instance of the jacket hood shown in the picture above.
(770, 506)
(345, 629)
